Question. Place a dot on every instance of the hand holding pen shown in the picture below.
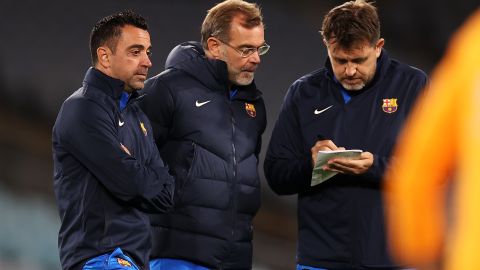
(323, 144)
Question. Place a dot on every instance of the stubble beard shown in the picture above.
(243, 78)
(354, 87)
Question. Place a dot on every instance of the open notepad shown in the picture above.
(318, 174)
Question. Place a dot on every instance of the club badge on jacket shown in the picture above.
(389, 105)
(250, 109)
(142, 126)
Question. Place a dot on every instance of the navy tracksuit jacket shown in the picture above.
(101, 191)
(340, 221)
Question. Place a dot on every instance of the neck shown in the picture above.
(209, 55)
(107, 72)
(103, 70)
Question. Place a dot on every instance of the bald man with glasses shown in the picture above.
(208, 117)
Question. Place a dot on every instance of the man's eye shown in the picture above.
(136, 52)
(149, 53)
(248, 51)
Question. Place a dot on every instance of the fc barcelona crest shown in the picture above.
(142, 126)
(123, 262)
(250, 109)
(390, 105)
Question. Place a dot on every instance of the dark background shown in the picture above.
(44, 55)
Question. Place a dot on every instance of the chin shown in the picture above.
(354, 87)
(134, 88)
(244, 81)
(138, 85)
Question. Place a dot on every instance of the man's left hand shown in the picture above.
(355, 166)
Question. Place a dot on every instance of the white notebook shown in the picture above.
(318, 174)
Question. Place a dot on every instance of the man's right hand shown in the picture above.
(323, 145)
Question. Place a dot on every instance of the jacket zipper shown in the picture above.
(233, 186)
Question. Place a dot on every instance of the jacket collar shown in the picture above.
(247, 92)
(110, 86)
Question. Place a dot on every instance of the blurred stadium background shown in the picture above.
(44, 55)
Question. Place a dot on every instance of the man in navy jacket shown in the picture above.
(359, 100)
(208, 118)
(107, 170)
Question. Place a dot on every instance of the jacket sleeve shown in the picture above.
(376, 171)
(165, 199)
(88, 132)
(158, 105)
(287, 165)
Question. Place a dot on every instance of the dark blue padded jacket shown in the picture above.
(211, 144)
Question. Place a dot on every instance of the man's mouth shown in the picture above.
(250, 69)
(142, 72)
(352, 80)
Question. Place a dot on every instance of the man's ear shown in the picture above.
(325, 42)
(103, 55)
(213, 47)
(379, 46)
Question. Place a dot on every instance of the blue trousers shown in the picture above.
(173, 264)
(111, 261)
(304, 267)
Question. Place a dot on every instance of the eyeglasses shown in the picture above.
(247, 51)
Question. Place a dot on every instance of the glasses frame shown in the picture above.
(243, 54)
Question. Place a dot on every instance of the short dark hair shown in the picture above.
(218, 19)
(352, 22)
(108, 30)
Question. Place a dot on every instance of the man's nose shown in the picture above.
(350, 69)
(254, 58)
(147, 62)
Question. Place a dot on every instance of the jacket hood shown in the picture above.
(190, 57)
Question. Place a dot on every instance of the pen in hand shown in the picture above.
(328, 146)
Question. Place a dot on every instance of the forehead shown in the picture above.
(359, 49)
(241, 35)
(134, 35)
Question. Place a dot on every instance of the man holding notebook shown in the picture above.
(359, 100)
